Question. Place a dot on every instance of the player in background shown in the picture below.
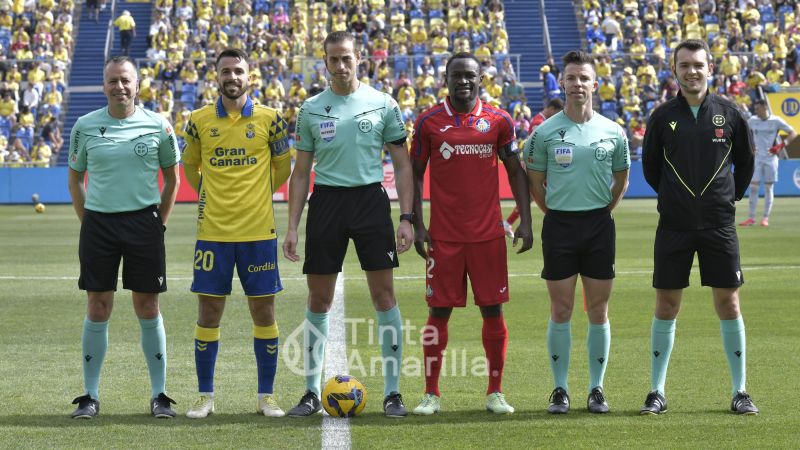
(765, 128)
(345, 129)
(463, 139)
(553, 107)
(578, 163)
(236, 156)
(698, 156)
(123, 217)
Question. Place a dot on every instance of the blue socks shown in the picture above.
(94, 343)
(598, 343)
(559, 342)
(265, 346)
(315, 335)
(154, 346)
(390, 337)
(733, 341)
(206, 345)
(662, 337)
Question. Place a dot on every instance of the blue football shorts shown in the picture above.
(256, 263)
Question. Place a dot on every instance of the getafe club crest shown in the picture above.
(482, 125)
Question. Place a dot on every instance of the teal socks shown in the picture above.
(598, 344)
(733, 341)
(662, 337)
(94, 343)
(154, 346)
(315, 335)
(390, 337)
(559, 342)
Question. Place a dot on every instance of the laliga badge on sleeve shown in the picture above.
(327, 130)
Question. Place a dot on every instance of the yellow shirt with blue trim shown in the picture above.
(234, 152)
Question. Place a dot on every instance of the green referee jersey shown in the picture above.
(579, 159)
(346, 133)
(123, 158)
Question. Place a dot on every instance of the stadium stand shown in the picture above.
(35, 51)
(754, 47)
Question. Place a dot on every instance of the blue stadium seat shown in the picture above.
(400, 64)
(5, 127)
(188, 95)
(608, 107)
(261, 5)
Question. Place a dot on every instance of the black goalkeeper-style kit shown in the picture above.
(698, 166)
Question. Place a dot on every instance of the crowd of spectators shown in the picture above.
(35, 49)
(404, 46)
(754, 47)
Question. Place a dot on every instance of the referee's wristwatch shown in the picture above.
(408, 217)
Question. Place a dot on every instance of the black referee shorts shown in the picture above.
(338, 214)
(136, 238)
(717, 252)
(578, 242)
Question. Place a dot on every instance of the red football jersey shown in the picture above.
(462, 152)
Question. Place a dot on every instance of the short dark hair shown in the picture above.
(337, 37)
(578, 57)
(122, 59)
(462, 55)
(556, 103)
(231, 53)
(760, 101)
(691, 45)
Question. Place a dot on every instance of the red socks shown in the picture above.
(434, 342)
(495, 340)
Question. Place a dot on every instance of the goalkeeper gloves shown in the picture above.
(775, 149)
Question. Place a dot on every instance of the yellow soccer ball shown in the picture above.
(344, 396)
(39, 208)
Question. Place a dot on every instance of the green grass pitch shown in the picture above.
(42, 312)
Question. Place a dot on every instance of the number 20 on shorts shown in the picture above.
(204, 260)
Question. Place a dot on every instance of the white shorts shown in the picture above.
(766, 171)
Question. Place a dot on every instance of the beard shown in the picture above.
(236, 94)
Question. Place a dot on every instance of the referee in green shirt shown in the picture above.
(123, 217)
(578, 163)
(345, 129)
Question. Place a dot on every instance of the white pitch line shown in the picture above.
(361, 278)
(336, 431)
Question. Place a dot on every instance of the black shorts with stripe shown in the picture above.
(338, 214)
(136, 238)
(578, 242)
(717, 252)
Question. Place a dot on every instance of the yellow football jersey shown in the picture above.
(235, 153)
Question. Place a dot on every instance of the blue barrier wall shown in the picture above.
(17, 185)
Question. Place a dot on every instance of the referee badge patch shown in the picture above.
(327, 130)
(563, 156)
(365, 125)
(140, 149)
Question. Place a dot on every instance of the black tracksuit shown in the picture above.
(699, 167)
